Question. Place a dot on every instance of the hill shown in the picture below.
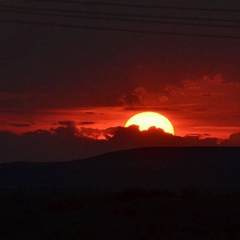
(155, 167)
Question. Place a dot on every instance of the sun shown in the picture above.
(145, 120)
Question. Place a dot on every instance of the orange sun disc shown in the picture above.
(145, 120)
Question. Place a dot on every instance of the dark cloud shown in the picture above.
(67, 142)
(91, 133)
(20, 125)
(200, 110)
(131, 137)
(196, 95)
(67, 123)
(234, 140)
(86, 123)
(67, 129)
(150, 108)
(129, 99)
(198, 135)
(90, 113)
(235, 137)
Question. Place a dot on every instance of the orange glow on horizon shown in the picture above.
(102, 118)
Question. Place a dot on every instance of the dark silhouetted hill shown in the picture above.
(155, 167)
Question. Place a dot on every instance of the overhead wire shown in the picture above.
(87, 27)
(117, 14)
(102, 3)
(68, 13)
(55, 14)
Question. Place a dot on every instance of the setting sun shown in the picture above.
(145, 120)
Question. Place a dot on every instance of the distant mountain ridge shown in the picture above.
(152, 167)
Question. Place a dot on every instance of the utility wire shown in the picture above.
(113, 19)
(119, 14)
(86, 27)
(141, 6)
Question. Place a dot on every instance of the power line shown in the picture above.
(33, 12)
(142, 6)
(120, 14)
(86, 27)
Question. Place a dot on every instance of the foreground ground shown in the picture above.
(129, 214)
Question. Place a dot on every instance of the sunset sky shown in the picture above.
(97, 79)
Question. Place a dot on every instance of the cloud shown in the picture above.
(128, 99)
(90, 113)
(141, 97)
(234, 140)
(85, 123)
(199, 94)
(67, 129)
(67, 142)
(210, 102)
(91, 133)
(131, 137)
(20, 125)
(198, 135)
(67, 123)
(207, 92)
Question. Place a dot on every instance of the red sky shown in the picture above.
(205, 106)
(99, 79)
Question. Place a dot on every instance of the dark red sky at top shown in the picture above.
(99, 79)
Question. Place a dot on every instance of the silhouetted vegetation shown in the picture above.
(131, 194)
(136, 213)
